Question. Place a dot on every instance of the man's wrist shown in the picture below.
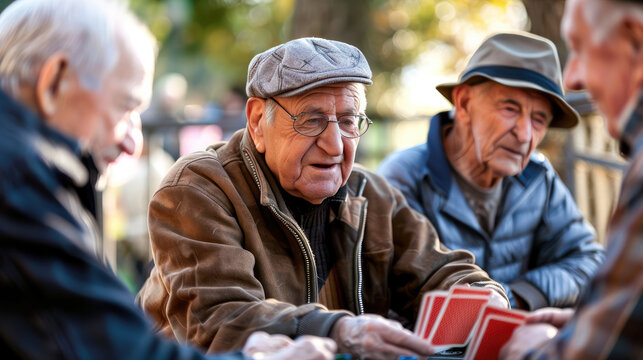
(337, 328)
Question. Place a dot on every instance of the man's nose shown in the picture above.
(132, 142)
(330, 140)
(522, 129)
(572, 76)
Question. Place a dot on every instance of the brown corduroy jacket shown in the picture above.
(230, 259)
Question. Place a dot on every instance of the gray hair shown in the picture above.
(31, 31)
(604, 15)
(271, 106)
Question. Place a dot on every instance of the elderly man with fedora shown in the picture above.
(276, 230)
(484, 189)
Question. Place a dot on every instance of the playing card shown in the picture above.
(458, 316)
(494, 331)
(493, 310)
(470, 290)
(421, 318)
(429, 311)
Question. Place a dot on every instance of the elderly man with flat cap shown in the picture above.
(276, 230)
(480, 183)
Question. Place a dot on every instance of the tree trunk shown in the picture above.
(341, 20)
(545, 16)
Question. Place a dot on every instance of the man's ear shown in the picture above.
(49, 83)
(460, 95)
(255, 113)
(633, 30)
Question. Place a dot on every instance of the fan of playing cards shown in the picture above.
(462, 317)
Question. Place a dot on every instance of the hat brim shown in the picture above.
(565, 118)
(322, 82)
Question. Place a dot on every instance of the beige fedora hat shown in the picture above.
(520, 60)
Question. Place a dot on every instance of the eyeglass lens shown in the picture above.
(312, 124)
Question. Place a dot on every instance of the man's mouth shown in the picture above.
(111, 158)
(516, 152)
(324, 166)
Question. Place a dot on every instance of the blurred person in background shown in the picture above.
(276, 230)
(605, 41)
(479, 181)
(165, 112)
(74, 76)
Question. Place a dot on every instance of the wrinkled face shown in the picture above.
(506, 125)
(107, 120)
(605, 69)
(311, 168)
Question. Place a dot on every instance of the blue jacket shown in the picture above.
(541, 248)
(58, 300)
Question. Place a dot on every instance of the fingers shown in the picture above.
(498, 300)
(525, 338)
(554, 316)
(263, 343)
(318, 343)
(306, 347)
(405, 339)
(374, 337)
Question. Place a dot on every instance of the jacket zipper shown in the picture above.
(359, 294)
(311, 279)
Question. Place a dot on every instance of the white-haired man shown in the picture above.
(605, 39)
(74, 76)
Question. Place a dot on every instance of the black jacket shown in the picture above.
(57, 299)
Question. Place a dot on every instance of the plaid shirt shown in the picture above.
(609, 322)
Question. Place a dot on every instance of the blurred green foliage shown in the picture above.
(211, 42)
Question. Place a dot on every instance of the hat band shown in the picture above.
(516, 73)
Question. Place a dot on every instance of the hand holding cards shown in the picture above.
(463, 316)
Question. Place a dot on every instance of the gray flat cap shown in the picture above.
(519, 60)
(300, 65)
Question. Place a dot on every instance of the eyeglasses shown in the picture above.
(313, 124)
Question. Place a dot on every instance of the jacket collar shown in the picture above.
(269, 190)
(631, 141)
(58, 150)
(25, 118)
(437, 162)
